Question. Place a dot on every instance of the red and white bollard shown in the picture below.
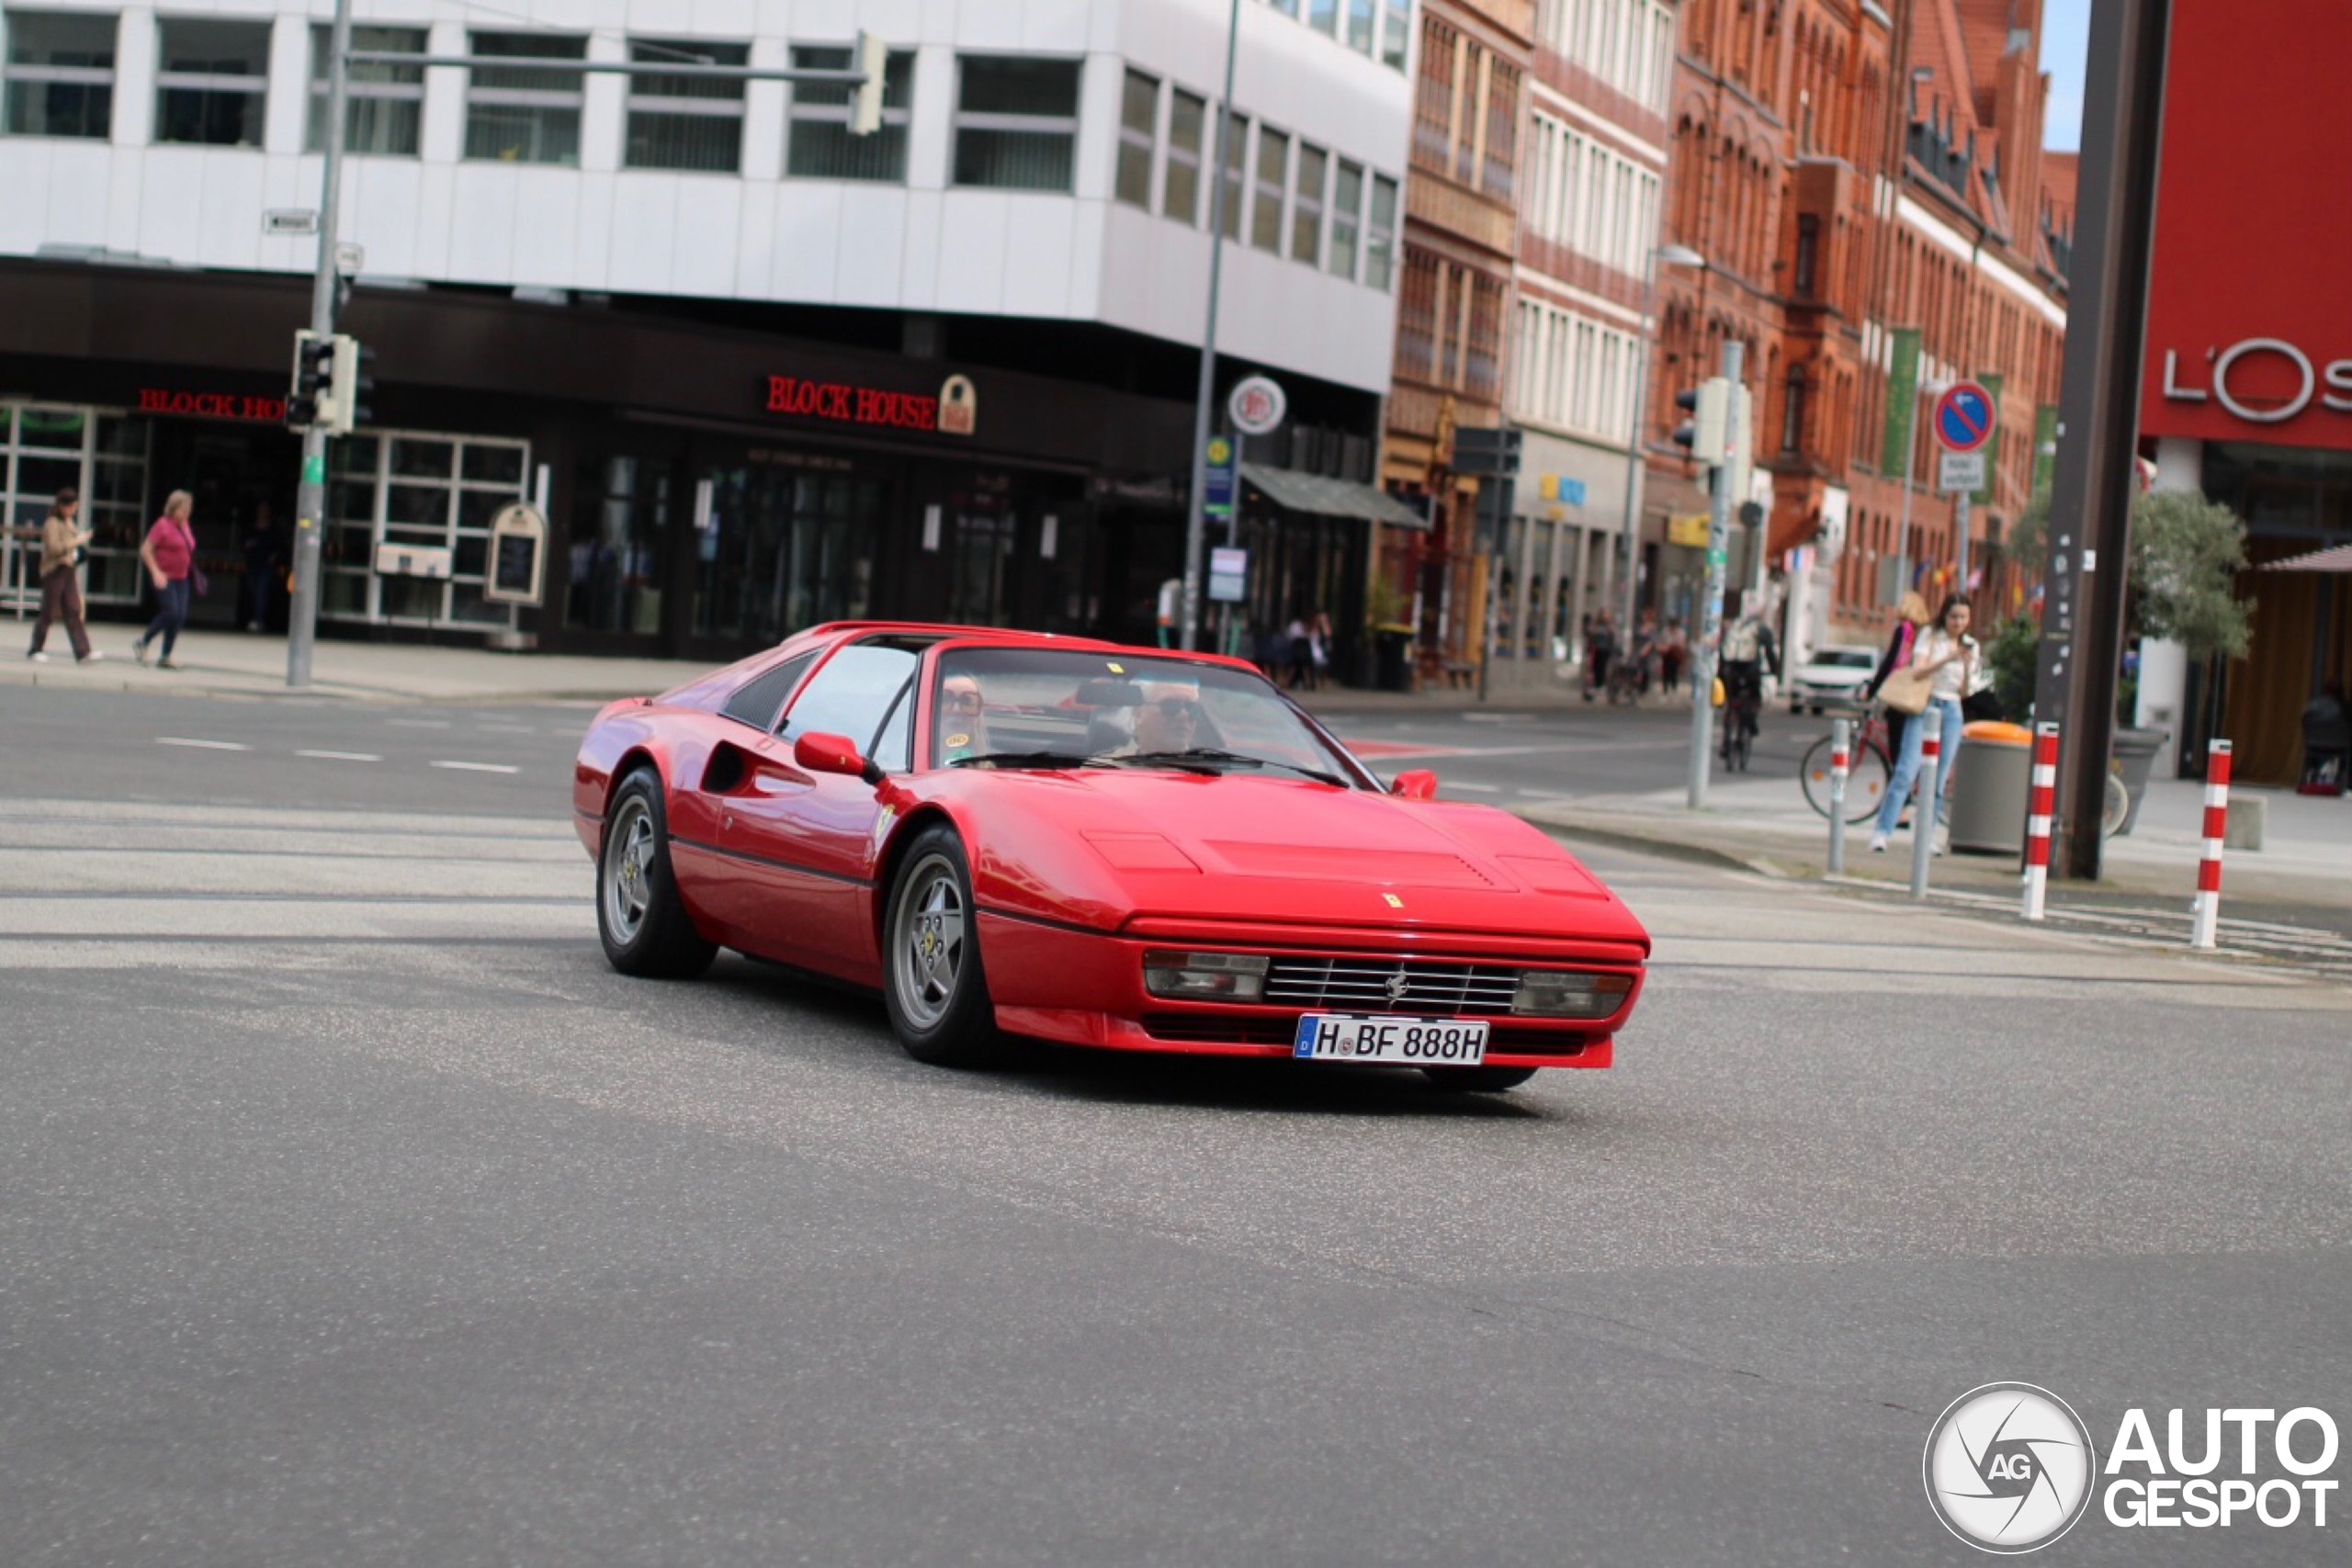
(2041, 805)
(2205, 917)
(1925, 805)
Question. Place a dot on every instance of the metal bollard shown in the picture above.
(1840, 764)
(2040, 804)
(2205, 917)
(1924, 804)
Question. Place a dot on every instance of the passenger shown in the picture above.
(1169, 718)
(963, 719)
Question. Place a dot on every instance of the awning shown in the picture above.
(1332, 498)
(2336, 558)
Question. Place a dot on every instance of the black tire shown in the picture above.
(640, 917)
(1867, 778)
(933, 982)
(1478, 1080)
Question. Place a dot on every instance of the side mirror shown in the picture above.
(1415, 784)
(822, 753)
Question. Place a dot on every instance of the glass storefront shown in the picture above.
(99, 452)
(416, 488)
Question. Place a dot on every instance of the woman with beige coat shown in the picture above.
(62, 539)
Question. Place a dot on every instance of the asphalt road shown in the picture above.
(357, 1214)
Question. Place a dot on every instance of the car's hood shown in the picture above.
(1262, 847)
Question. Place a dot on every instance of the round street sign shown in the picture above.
(1257, 405)
(1964, 416)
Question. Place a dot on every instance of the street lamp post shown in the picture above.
(1677, 255)
(1196, 514)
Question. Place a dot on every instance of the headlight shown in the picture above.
(1206, 976)
(1561, 993)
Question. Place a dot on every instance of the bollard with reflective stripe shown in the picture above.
(2205, 918)
(1924, 804)
(1840, 764)
(2040, 802)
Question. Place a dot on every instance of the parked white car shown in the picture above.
(1834, 675)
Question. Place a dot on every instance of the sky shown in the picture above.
(2065, 31)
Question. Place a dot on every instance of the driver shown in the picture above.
(1169, 718)
(963, 718)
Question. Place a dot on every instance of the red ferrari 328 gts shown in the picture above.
(1077, 842)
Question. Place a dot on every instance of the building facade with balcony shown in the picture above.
(758, 371)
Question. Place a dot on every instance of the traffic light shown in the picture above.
(1709, 406)
(353, 384)
(866, 100)
(309, 402)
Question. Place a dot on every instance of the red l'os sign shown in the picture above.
(1964, 419)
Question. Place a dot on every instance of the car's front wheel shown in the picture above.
(933, 985)
(643, 922)
(1479, 1080)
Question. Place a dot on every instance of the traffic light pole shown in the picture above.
(1702, 661)
(310, 495)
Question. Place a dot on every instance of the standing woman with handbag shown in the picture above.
(169, 554)
(1943, 657)
(1910, 614)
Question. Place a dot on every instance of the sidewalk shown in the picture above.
(2305, 858)
(241, 664)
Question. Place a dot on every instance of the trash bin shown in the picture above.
(1393, 657)
(2134, 755)
(1990, 781)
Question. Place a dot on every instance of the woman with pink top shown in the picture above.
(169, 554)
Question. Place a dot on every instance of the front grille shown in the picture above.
(1370, 984)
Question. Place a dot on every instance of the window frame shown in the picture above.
(1004, 122)
(829, 110)
(358, 90)
(573, 98)
(789, 673)
(1348, 216)
(725, 102)
(1194, 160)
(210, 84)
(14, 74)
(1261, 190)
(1307, 207)
(1380, 238)
(1136, 143)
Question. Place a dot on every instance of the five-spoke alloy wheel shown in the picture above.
(645, 927)
(931, 979)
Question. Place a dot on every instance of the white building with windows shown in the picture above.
(604, 275)
(1595, 166)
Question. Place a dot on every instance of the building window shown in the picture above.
(60, 74)
(415, 489)
(527, 114)
(1792, 412)
(1380, 233)
(1273, 170)
(685, 122)
(1139, 126)
(1016, 123)
(1323, 16)
(1306, 205)
(383, 104)
(1347, 217)
(212, 84)
(1502, 130)
(1808, 248)
(821, 146)
(1237, 149)
(1361, 18)
(1397, 34)
(1180, 181)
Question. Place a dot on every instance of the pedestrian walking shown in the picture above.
(1600, 650)
(1910, 616)
(169, 554)
(62, 539)
(264, 570)
(1672, 655)
(1318, 648)
(1945, 655)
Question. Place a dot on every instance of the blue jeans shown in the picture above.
(171, 615)
(1943, 713)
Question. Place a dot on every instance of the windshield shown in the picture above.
(1846, 658)
(1043, 707)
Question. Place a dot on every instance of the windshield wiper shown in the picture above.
(1028, 760)
(1216, 757)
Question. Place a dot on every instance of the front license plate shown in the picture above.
(1418, 1042)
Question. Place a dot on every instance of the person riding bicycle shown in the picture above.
(1748, 648)
(1600, 651)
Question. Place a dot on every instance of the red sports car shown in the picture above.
(1077, 842)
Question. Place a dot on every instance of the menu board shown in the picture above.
(518, 556)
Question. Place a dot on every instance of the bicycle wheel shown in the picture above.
(1868, 773)
(2113, 807)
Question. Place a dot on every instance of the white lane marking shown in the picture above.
(478, 767)
(202, 745)
(418, 723)
(342, 756)
(1464, 783)
(505, 730)
(1497, 718)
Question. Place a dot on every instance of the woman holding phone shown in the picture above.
(1946, 655)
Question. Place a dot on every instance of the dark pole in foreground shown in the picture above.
(2099, 413)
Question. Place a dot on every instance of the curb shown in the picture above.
(1663, 849)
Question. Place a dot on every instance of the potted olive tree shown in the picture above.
(2187, 551)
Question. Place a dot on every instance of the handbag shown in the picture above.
(198, 583)
(1908, 690)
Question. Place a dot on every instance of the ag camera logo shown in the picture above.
(2009, 1466)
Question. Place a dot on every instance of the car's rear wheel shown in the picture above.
(932, 984)
(1479, 1080)
(643, 922)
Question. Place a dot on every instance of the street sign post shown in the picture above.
(1217, 477)
(1228, 574)
(1963, 422)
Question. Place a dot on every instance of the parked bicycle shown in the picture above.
(1869, 767)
